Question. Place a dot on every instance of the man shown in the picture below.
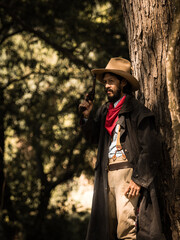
(124, 202)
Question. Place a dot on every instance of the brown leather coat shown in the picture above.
(142, 148)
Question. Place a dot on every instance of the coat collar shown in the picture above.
(127, 106)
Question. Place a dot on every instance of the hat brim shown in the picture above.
(132, 80)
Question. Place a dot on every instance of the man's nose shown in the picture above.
(107, 85)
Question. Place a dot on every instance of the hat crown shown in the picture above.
(119, 64)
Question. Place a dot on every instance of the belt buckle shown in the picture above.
(124, 156)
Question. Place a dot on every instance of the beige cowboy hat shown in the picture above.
(119, 66)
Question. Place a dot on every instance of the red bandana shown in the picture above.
(112, 115)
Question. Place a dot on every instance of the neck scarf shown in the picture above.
(112, 115)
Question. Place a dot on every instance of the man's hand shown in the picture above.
(132, 190)
(85, 108)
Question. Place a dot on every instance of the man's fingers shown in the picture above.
(127, 191)
(85, 108)
(137, 192)
(132, 190)
(84, 104)
(131, 193)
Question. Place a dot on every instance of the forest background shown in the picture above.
(47, 49)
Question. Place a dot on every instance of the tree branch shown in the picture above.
(12, 81)
(69, 171)
(9, 35)
(68, 53)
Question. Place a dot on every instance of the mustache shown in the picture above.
(108, 90)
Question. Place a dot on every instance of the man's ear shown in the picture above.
(123, 82)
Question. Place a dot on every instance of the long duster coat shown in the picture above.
(142, 149)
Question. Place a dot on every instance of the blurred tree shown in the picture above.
(153, 37)
(47, 48)
(74, 29)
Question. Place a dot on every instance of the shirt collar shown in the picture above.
(116, 103)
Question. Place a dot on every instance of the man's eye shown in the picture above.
(108, 82)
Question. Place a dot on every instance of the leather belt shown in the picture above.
(120, 165)
(115, 159)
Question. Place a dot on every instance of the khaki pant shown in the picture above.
(122, 211)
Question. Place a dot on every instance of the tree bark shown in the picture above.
(2, 178)
(153, 39)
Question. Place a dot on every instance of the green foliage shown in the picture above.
(47, 49)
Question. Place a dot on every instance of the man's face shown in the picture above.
(113, 87)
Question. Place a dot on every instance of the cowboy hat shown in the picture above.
(119, 66)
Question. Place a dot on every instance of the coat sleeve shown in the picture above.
(91, 128)
(149, 151)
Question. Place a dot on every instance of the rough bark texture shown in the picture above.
(153, 38)
(2, 178)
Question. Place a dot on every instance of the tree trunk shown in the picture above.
(153, 35)
(38, 231)
(2, 178)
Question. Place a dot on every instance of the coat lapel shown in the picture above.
(126, 108)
